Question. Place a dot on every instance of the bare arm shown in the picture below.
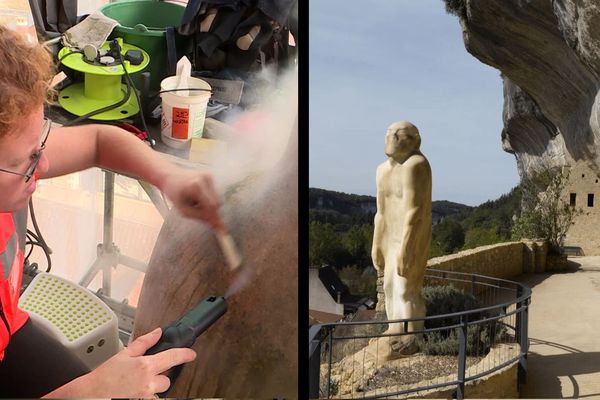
(415, 197)
(71, 149)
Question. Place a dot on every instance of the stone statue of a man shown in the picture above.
(403, 230)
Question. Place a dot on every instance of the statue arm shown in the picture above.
(376, 251)
(415, 198)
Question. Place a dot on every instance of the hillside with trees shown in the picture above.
(341, 226)
(488, 223)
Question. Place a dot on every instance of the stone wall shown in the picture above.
(503, 260)
(501, 384)
(583, 184)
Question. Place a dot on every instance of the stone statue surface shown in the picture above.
(402, 231)
(251, 352)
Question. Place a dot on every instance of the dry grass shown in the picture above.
(423, 368)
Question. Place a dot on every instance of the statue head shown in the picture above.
(401, 139)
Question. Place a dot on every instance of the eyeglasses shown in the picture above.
(35, 158)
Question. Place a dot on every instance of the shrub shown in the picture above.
(361, 282)
(446, 300)
(545, 212)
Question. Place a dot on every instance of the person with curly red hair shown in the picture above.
(33, 364)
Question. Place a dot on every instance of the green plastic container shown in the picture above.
(143, 24)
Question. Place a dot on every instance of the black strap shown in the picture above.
(61, 14)
(278, 10)
(52, 17)
(224, 25)
(191, 10)
(171, 50)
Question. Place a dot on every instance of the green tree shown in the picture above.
(545, 213)
(435, 249)
(325, 246)
(358, 242)
(322, 243)
(448, 235)
(479, 236)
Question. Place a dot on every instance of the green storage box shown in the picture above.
(143, 23)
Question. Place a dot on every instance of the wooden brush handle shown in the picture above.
(232, 255)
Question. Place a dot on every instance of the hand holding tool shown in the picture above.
(184, 331)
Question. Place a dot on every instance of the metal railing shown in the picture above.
(349, 359)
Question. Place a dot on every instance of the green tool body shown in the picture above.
(184, 331)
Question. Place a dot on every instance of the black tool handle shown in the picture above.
(184, 331)
(173, 336)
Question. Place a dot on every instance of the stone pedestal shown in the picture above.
(380, 308)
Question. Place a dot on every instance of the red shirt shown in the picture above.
(12, 318)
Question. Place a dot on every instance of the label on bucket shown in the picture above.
(181, 118)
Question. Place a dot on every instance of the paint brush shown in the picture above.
(229, 249)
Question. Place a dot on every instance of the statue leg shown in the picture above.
(403, 300)
(384, 346)
(408, 304)
(390, 300)
(415, 307)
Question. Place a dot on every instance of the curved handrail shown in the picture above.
(520, 304)
(524, 297)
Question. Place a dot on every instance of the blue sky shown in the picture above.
(373, 63)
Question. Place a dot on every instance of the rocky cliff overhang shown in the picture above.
(548, 52)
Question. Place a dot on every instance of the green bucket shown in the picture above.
(143, 23)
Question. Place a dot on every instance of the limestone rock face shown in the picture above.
(252, 351)
(528, 134)
(548, 52)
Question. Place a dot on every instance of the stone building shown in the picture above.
(583, 192)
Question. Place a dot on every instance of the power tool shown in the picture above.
(184, 331)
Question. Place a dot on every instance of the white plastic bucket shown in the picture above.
(182, 115)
